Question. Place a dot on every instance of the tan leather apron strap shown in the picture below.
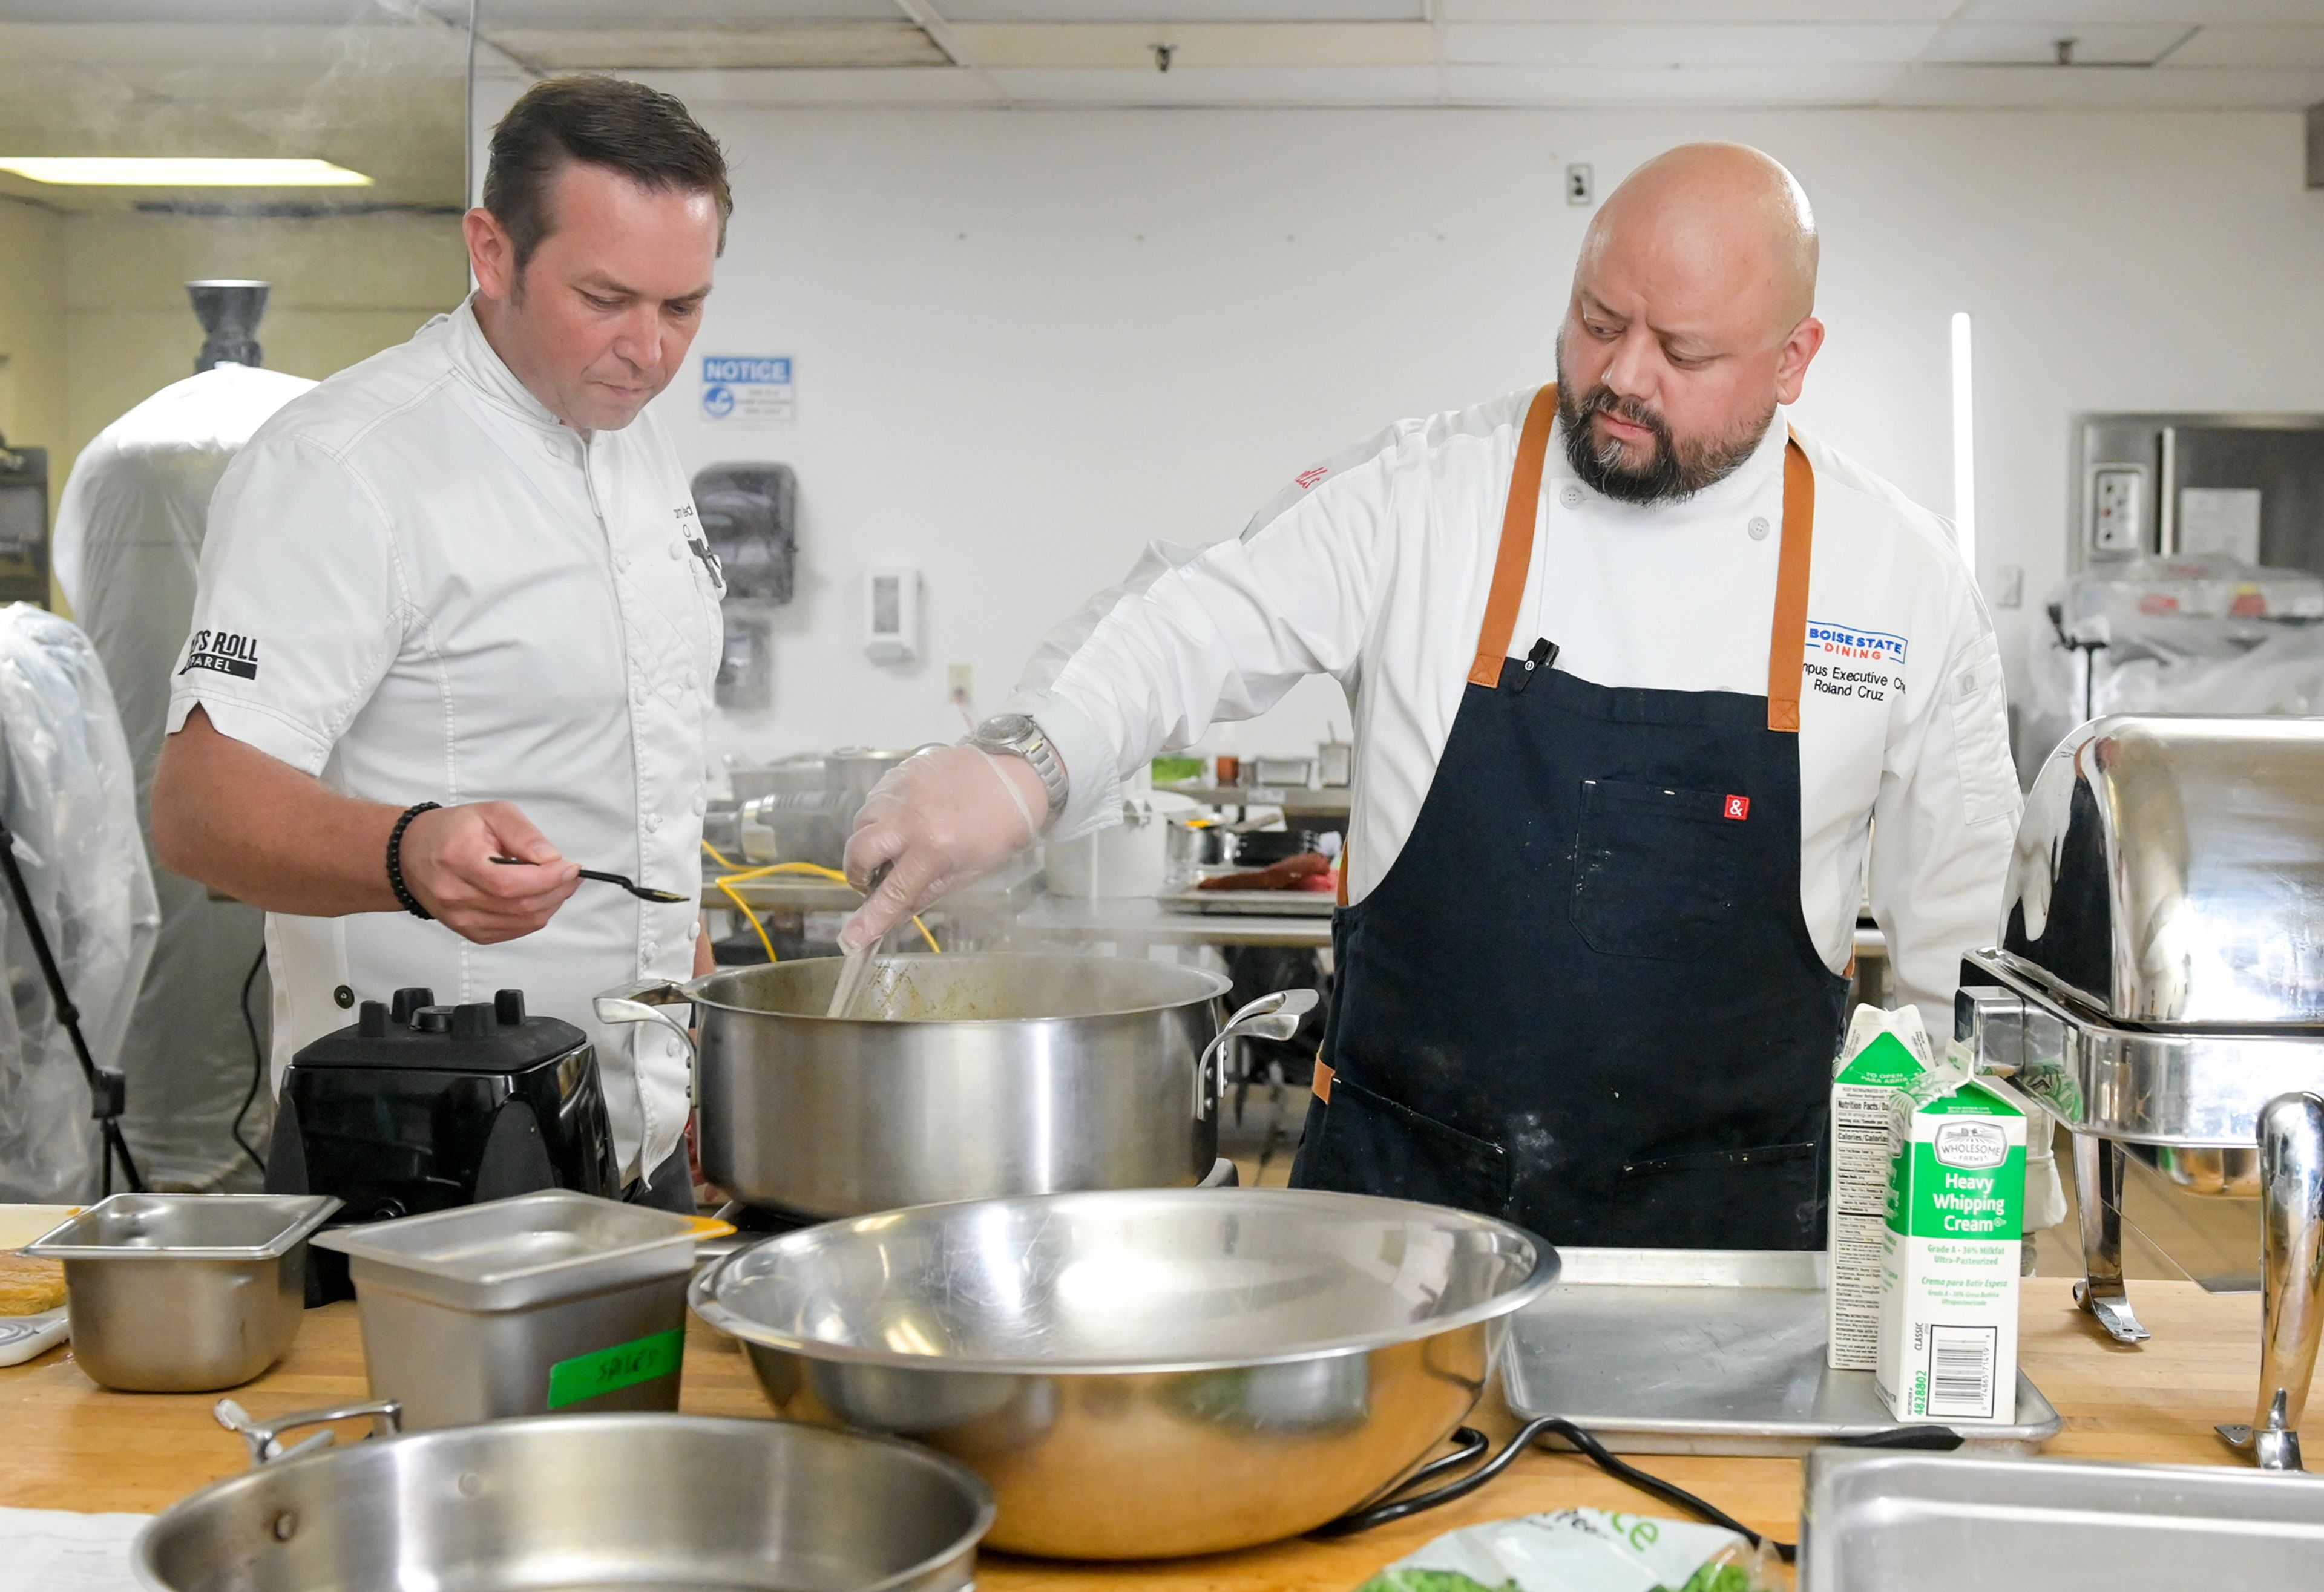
(1787, 638)
(1324, 1075)
(1787, 644)
(1515, 555)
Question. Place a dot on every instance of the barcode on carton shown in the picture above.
(1961, 1371)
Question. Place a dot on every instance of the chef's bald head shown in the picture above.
(1692, 319)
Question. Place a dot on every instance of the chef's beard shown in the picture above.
(1677, 471)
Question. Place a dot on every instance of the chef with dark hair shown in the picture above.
(1647, 686)
(455, 605)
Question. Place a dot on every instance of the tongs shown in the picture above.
(855, 970)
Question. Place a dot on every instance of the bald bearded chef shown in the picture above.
(1644, 682)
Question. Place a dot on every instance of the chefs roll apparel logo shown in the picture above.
(224, 651)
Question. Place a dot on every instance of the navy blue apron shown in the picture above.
(1584, 998)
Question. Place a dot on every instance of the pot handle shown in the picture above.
(644, 1002)
(1270, 1016)
(265, 1438)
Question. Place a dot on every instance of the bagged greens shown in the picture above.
(1581, 1550)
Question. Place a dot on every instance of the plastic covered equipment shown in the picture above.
(2202, 633)
(69, 799)
(129, 533)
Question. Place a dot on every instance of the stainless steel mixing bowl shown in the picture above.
(641, 1502)
(1141, 1373)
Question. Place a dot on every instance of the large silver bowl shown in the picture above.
(1140, 1372)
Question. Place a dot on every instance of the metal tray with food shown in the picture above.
(1248, 902)
(1708, 1351)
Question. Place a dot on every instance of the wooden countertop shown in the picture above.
(71, 1445)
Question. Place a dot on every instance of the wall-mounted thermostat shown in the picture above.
(892, 615)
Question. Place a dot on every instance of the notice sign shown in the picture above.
(748, 389)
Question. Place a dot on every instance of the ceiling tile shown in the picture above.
(498, 14)
(1782, 44)
(2181, 15)
(1195, 45)
(1271, 86)
(872, 86)
(1699, 11)
(2107, 88)
(1552, 86)
(2253, 47)
(2035, 43)
(796, 44)
(1182, 10)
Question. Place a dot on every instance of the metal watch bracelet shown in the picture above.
(1018, 735)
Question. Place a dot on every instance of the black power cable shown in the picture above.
(1472, 1444)
(257, 1062)
(106, 1092)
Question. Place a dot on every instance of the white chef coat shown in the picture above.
(1373, 567)
(420, 586)
(129, 532)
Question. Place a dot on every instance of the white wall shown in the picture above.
(1030, 342)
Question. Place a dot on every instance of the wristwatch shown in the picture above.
(1017, 735)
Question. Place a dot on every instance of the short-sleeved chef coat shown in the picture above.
(418, 586)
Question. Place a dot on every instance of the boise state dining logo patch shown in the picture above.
(224, 651)
(1841, 660)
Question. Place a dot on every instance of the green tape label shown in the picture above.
(625, 1365)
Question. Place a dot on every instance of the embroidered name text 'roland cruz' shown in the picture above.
(1842, 661)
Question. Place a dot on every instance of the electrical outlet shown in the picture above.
(2009, 587)
(1580, 187)
(960, 679)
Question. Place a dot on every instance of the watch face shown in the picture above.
(1005, 727)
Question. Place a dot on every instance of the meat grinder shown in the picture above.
(2159, 989)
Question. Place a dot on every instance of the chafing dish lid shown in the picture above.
(2170, 870)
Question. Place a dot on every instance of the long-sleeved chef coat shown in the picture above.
(420, 586)
(1373, 567)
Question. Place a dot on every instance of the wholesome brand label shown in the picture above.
(1863, 666)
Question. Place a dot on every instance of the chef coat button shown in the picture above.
(653, 822)
(700, 804)
(344, 996)
(548, 445)
(677, 551)
(1758, 527)
(1571, 497)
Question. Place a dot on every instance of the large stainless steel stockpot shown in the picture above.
(1142, 1372)
(645, 1503)
(990, 1075)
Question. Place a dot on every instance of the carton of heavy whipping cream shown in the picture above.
(1949, 1259)
(1885, 1052)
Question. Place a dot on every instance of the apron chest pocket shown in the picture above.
(1654, 870)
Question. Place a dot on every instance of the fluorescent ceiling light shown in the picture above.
(173, 172)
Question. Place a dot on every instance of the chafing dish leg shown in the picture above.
(2099, 1165)
(2291, 1275)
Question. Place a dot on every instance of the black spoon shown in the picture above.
(631, 885)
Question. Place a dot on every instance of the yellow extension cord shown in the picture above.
(726, 883)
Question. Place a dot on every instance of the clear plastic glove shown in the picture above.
(939, 819)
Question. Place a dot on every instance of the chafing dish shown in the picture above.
(2159, 989)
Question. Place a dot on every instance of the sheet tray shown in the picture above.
(1707, 1351)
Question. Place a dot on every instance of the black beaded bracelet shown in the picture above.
(395, 859)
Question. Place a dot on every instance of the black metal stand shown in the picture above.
(107, 1091)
